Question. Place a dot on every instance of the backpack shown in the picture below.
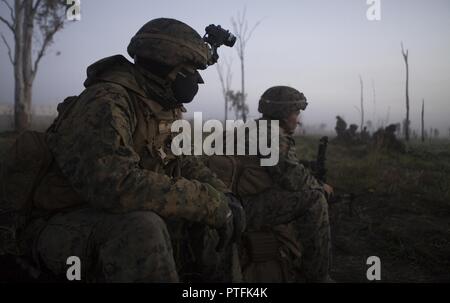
(21, 171)
(25, 167)
(243, 175)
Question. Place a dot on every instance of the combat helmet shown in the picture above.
(279, 101)
(169, 42)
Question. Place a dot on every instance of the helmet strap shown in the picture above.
(172, 75)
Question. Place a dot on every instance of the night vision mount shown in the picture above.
(216, 36)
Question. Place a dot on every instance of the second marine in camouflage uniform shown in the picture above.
(288, 233)
(298, 198)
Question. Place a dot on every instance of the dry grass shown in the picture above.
(401, 212)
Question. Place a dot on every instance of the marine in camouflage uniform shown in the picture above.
(341, 127)
(115, 195)
(386, 139)
(294, 208)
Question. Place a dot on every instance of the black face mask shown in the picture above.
(185, 86)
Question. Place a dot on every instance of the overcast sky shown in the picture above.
(319, 47)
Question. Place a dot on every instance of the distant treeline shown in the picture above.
(41, 110)
(38, 122)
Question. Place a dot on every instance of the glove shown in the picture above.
(235, 224)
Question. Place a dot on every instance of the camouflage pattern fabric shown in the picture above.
(135, 197)
(313, 225)
(307, 211)
(94, 148)
(137, 246)
(170, 42)
(278, 102)
(296, 198)
(289, 174)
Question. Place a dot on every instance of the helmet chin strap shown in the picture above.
(174, 72)
(172, 75)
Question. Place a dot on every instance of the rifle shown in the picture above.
(320, 172)
(320, 169)
(318, 166)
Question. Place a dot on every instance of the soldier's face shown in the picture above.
(185, 85)
(292, 121)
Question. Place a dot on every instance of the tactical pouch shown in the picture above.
(253, 178)
(23, 168)
(271, 256)
(242, 175)
(262, 246)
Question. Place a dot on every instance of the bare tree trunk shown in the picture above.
(48, 17)
(362, 103)
(28, 76)
(19, 106)
(388, 115)
(23, 68)
(226, 108)
(244, 114)
(225, 77)
(374, 114)
(243, 34)
(405, 57)
(407, 102)
(423, 121)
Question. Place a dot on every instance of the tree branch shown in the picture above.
(252, 30)
(229, 75)
(40, 55)
(9, 50)
(10, 26)
(11, 11)
(36, 5)
(222, 82)
(405, 54)
(47, 41)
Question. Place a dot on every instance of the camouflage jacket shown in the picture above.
(289, 173)
(98, 147)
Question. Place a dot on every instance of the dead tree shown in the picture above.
(30, 21)
(362, 102)
(388, 115)
(423, 121)
(407, 122)
(240, 108)
(243, 35)
(374, 113)
(225, 77)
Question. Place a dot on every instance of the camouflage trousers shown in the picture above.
(306, 212)
(133, 247)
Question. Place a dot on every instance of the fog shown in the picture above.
(319, 47)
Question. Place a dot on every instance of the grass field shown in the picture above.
(401, 212)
